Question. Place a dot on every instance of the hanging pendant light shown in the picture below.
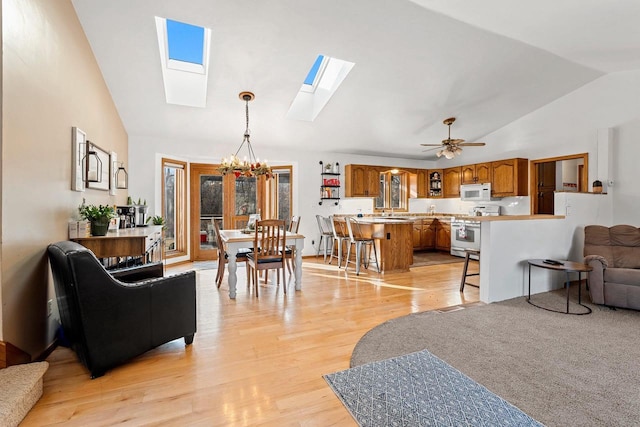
(250, 166)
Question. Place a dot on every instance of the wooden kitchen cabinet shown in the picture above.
(443, 235)
(451, 182)
(361, 181)
(424, 234)
(510, 178)
(478, 173)
(422, 183)
(435, 183)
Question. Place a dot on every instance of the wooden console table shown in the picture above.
(143, 242)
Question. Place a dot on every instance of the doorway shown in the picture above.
(207, 203)
(565, 173)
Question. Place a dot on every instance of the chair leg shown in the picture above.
(464, 271)
(375, 255)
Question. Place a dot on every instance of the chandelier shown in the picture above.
(249, 166)
(449, 151)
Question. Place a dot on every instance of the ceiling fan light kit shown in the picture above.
(449, 148)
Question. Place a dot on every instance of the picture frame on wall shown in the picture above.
(104, 175)
(78, 145)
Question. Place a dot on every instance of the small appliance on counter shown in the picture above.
(127, 216)
(141, 215)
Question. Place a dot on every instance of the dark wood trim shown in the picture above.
(11, 355)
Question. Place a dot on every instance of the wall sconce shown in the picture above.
(122, 177)
(91, 165)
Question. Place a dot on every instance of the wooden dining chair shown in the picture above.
(269, 239)
(223, 256)
(294, 225)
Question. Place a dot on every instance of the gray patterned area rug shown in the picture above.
(419, 389)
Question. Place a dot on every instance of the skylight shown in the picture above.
(185, 41)
(184, 57)
(313, 72)
(323, 79)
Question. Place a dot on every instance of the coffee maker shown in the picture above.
(127, 216)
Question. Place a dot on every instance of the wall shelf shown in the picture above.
(330, 184)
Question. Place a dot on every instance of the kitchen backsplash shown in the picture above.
(509, 205)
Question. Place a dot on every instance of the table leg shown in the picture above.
(233, 276)
(298, 269)
(567, 283)
(529, 298)
(579, 286)
(358, 250)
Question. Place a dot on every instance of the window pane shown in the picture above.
(284, 195)
(174, 207)
(379, 201)
(246, 196)
(396, 191)
(169, 212)
(211, 193)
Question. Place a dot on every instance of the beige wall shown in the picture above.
(51, 82)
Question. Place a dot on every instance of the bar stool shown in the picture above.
(326, 234)
(468, 253)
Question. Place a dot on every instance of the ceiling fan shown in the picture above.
(451, 147)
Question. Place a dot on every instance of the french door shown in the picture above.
(207, 205)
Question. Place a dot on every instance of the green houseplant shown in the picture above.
(156, 220)
(99, 217)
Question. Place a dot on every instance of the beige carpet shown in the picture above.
(20, 389)
(563, 370)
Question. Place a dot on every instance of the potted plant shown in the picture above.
(99, 217)
(156, 220)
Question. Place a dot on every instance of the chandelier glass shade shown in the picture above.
(449, 151)
(249, 166)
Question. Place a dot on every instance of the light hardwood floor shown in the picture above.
(254, 362)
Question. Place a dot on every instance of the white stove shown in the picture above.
(465, 232)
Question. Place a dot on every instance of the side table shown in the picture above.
(568, 267)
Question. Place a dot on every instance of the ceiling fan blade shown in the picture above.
(430, 149)
(431, 145)
(471, 144)
(452, 141)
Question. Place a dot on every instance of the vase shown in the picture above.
(99, 227)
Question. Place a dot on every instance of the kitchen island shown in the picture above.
(393, 239)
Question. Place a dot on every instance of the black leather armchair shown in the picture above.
(107, 321)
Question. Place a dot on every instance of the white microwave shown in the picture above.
(475, 192)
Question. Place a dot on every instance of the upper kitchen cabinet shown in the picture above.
(435, 183)
(422, 182)
(479, 173)
(451, 182)
(361, 181)
(510, 178)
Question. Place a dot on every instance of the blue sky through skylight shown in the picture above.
(313, 72)
(185, 42)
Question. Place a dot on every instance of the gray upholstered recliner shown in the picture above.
(108, 321)
(614, 255)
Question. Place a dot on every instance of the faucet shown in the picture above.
(391, 210)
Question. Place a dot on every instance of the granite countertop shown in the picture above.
(412, 217)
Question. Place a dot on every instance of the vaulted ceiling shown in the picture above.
(416, 63)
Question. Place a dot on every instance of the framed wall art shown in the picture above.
(97, 167)
(78, 145)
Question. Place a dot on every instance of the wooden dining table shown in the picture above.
(236, 239)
